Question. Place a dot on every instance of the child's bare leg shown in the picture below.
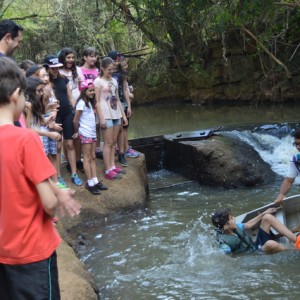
(71, 154)
(87, 160)
(269, 221)
(271, 247)
(93, 161)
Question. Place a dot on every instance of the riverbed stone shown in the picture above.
(127, 193)
(218, 160)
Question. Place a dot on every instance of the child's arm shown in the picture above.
(255, 220)
(50, 134)
(127, 98)
(48, 198)
(98, 108)
(78, 113)
(54, 198)
(66, 204)
(125, 121)
(71, 100)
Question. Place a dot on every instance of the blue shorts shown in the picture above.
(263, 237)
(50, 145)
(38, 280)
(112, 122)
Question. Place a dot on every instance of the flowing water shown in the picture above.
(168, 250)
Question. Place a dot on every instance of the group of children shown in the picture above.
(67, 105)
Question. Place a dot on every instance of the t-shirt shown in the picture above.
(293, 170)
(87, 122)
(108, 89)
(60, 90)
(73, 83)
(119, 77)
(27, 233)
(87, 75)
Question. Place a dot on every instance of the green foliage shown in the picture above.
(179, 32)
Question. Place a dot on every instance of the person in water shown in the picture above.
(233, 238)
(293, 170)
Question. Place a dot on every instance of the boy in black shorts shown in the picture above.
(232, 237)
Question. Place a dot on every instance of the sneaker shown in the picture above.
(122, 160)
(61, 181)
(131, 153)
(297, 244)
(76, 180)
(112, 175)
(60, 185)
(100, 186)
(119, 170)
(92, 189)
(79, 166)
(99, 155)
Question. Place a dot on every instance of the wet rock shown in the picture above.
(218, 161)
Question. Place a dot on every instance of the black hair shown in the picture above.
(220, 218)
(9, 26)
(88, 51)
(11, 78)
(25, 64)
(37, 106)
(105, 62)
(297, 134)
(86, 100)
(62, 59)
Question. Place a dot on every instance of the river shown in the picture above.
(167, 250)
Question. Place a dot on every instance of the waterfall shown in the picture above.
(277, 151)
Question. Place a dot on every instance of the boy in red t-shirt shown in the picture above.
(28, 201)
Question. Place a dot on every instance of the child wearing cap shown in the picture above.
(120, 75)
(64, 115)
(232, 237)
(85, 128)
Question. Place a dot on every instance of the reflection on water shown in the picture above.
(168, 252)
(157, 120)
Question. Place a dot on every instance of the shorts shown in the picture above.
(112, 122)
(87, 140)
(125, 111)
(38, 280)
(50, 145)
(66, 122)
(263, 237)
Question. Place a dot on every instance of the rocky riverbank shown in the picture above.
(129, 192)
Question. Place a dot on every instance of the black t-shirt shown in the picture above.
(60, 90)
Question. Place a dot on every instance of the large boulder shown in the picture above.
(218, 161)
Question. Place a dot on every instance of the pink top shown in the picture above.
(22, 121)
(88, 75)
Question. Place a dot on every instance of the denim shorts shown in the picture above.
(50, 146)
(112, 122)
